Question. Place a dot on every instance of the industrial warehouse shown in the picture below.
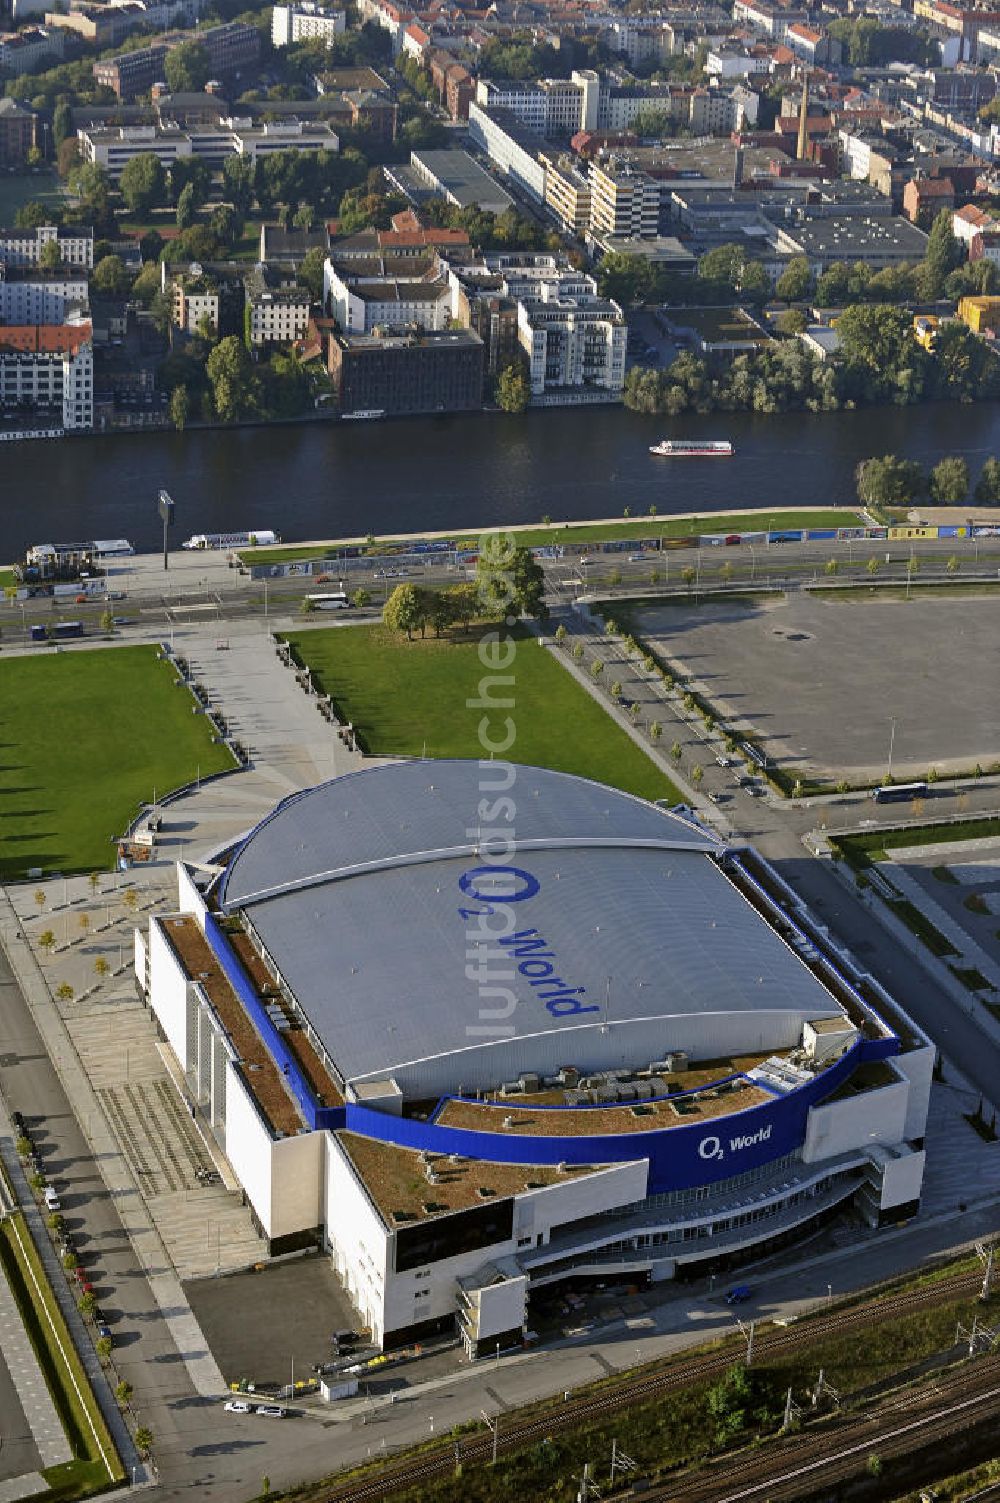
(606, 1046)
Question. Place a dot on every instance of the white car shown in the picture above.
(273, 1411)
(238, 1406)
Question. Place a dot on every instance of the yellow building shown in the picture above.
(980, 313)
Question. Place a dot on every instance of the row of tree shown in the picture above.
(887, 480)
(878, 361)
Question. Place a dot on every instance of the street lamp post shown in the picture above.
(892, 742)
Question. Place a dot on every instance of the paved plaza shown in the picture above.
(819, 681)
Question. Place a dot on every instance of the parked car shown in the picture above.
(238, 1406)
(739, 1294)
(273, 1411)
(733, 538)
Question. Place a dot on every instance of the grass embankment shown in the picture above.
(665, 1432)
(86, 737)
(591, 532)
(7, 580)
(409, 699)
(96, 1464)
(943, 588)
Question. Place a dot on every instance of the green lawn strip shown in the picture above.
(943, 587)
(409, 699)
(7, 580)
(85, 737)
(862, 850)
(595, 532)
(96, 1463)
(668, 1431)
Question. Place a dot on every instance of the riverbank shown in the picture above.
(608, 529)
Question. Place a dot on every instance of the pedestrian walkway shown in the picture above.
(150, 1252)
(969, 953)
(32, 1390)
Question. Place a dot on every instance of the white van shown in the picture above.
(51, 1199)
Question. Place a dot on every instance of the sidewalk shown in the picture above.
(133, 1213)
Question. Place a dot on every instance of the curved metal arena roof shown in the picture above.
(373, 894)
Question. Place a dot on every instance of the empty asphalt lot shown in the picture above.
(819, 679)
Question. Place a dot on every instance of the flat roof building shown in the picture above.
(660, 1071)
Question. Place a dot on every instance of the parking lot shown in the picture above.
(261, 1325)
(821, 682)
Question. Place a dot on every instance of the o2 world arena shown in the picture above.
(479, 1030)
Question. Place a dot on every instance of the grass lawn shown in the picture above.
(408, 698)
(84, 738)
(861, 850)
(20, 189)
(95, 1463)
(595, 532)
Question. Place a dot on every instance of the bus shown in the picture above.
(61, 630)
(898, 793)
(335, 600)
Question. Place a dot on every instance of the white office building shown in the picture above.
(24, 247)
(304, 22)
(111, 147)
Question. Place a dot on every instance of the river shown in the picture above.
(314, 481)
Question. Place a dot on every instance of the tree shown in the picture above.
(616, 689)
(234, 383)
(625, 278)
(143, 183)
(144, 1435)
(310, 272)
(180, 407)
(513, 389)
(465, 603)
(949, 481)
(832, 566)
(596, 668)
(873, 565)
(130, 899)
(943, 254)
(361, 598)
(187, 207)
(103, 1348)
(41, 897)
(795, 282)
(655, 730)
(187, 68)
(561, 634)
(62, 122)
(510, 579)
(697, 773)
(123, 1392)
(792, 321)
(987, 492)
(954, 564)
(110, 277)
(47, 941)
(101, 967)
(676, 751)
(402, 610)
(888, 481)
(86, 1304)
(65, 992)
(107, 621)
(50, 256)
(84, 924)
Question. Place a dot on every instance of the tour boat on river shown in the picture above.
(693, 448)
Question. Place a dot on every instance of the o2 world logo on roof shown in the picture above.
(493, 888)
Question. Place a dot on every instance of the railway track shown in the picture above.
(632, 1390)
(797, 1467)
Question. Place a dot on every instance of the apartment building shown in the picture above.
(108, 24)
(231, 47)
(48, 370)
(277, 310)
(17, 133)
(30, 50)
(305, 21)
(567, 193)
(195, 299)
(34, 297)
(574, 340)
(511, 146)
(362, 302)
(625, 202)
